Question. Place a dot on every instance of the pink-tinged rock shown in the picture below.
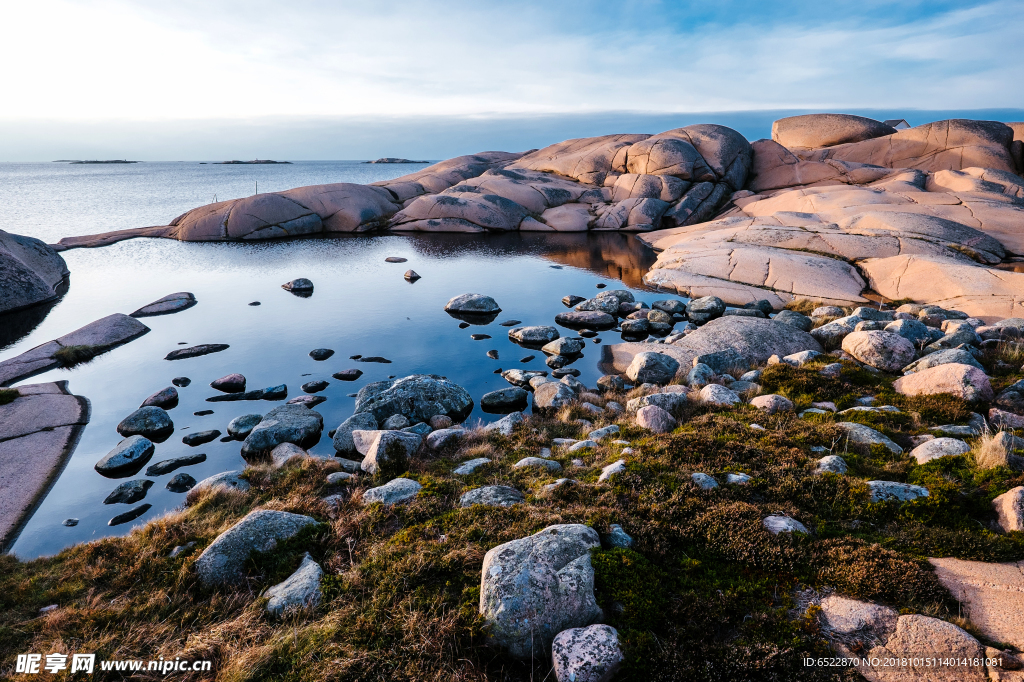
(992, 593)
(772, 403)
(811, 131)
(963, 381)
(882, 350)
(1010, 508)
(1001, 418)
(655, 419)
(590, 654)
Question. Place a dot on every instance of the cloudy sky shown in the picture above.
(327, 79)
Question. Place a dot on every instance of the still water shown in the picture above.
(361, 305)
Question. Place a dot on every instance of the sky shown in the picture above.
(153, 79)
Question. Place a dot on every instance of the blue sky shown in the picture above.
(121, 76)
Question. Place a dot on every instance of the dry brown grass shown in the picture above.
(989, 451)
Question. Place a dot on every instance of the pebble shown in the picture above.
(255, 303)
(395, 259)
(493, 355)
(509, 323)
(200, 437)
(70, 522)
(181, 382)
(463, 325)
(411, 275)
(479, 337)
(202, 413)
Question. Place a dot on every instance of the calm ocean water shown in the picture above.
(54, 200)
(361, 305)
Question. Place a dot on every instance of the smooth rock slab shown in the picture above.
(590, 654)
(393, 492)
(300, 591)
(260, 531)
(127, 457)
(939, 447)
(172, 303)
(534, 588)
(492, 495)
(993, 594)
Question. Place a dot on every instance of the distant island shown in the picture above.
(110, 161)
(388, 159)
(247, 162)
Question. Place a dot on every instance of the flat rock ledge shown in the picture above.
(99, 337)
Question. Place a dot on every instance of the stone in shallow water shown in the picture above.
(196, 351)
(505, 400)
(166, 398)
(181, 382)
(152, 422)
(472, 304)
(285, 424)
(241, 426)
(171, 303)
(200, 437)
(395, 259)
(70, 522)
(127, 457)
(299, 286)
(181, 483)
(314, 386)
(168, 465)
(130, 515)
(321, 354)
(129, 492)
(348, 374)
(232, 383)
(412, 275)
(508, 323)
(418, 397)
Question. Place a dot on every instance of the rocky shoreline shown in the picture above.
(829, 399)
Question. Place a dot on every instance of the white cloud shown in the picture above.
(135, 60)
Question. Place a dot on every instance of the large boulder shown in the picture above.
(418, 398)
(811, 131)
(262, 216)
(285, 424)
(31, 272)
(882, 350)
(533, 588)
(259, 531)
(963, 381)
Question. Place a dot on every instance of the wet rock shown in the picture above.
(166, 399)
(279, 392)
(772, 403)
(865, 437)
(479, 337)
(130, 515)
(590, 654)
(232, 383)
(129, 492)
(411, 275)
(285, 424)
(196, 351)
(172, 303)
(242, 426)
(234, 397)
(152, 422)
(127, 457)
(890, 490)
(963, 381)
(473, 304)
(393, 492)
(361, 421)
(533, 337)
(505, 400)
(181, 483)
(200, 437)
(299, 592)
(555, 565)
(507, 424)
(493, 496)
(300, 287)
(70, 523)
(321, 354)
(202, 413)
(391, 451)
(509, 323)
(260, 531)
(492, 354)
(783, 524)
(939, 447)
(585, 320)
(314, 386)
(418, 397)
(168, 465)
(181, 382)
(348, 374)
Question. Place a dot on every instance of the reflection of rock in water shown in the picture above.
(15, 326)
(610, 254)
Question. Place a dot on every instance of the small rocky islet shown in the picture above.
(774, 466)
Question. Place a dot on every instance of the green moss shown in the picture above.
(8, 395)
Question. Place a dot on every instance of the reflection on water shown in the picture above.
(361, 305)
(15, 326)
